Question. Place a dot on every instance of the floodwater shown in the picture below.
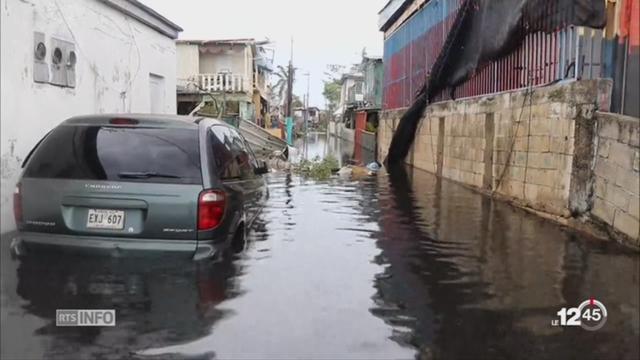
(398, 267)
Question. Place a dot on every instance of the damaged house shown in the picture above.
(231, 77)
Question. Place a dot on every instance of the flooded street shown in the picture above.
(385, 267)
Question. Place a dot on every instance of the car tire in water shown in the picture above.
(238, 243)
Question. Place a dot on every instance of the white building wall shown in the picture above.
(188, 61)
(118, 60)
(249, 67)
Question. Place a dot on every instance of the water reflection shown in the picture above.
(402, 266)
(468, 277)
(320, 145)
(155, 302)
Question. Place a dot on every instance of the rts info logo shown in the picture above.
(590, 315)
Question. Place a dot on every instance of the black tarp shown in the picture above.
(485, 31)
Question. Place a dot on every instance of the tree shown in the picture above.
(333, 87)
(331, 93)
(280, 87)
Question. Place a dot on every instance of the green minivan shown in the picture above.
(127, 182)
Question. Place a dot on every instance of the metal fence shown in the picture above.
(410, 52)
(542, 58)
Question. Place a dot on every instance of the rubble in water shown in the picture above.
(319, 169)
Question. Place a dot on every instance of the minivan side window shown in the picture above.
(246, 149)
(233, 161)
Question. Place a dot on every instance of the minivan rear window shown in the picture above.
(157, 155)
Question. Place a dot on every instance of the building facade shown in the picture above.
(233, 72)
(66, 58)
(351, 94)
(360, 102)
(311, 114)
(373, 71)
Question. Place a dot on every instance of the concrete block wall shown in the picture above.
(617, 173)
(388, 123)
(424, 151)
(535, 146)
(332, 128)
(368, 140)
(345, 133)
(533, 152)
(464, 146)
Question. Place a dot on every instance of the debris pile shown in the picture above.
(319, 169)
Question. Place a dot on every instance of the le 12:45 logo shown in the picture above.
(590, 315)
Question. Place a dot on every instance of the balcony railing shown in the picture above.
(222, 82)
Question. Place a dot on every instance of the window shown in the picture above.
(233, 159)
(104, 153)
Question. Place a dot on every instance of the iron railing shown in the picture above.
(222, 82)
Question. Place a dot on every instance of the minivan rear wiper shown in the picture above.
(145, 175)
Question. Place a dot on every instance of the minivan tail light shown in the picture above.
(17, 203)
(211, 204)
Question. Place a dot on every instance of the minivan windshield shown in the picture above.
(157, 155)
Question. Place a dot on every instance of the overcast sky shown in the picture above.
(324, 31)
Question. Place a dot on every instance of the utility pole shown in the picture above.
(289, 112)
(308, 75)
(290, 83)
(306, 117)
(306, 106)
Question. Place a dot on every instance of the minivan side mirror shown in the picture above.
(262, 168)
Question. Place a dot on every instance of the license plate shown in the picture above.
(105, 219)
